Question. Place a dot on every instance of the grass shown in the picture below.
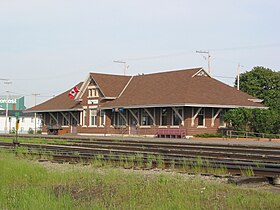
(35, 140)
(29, 185)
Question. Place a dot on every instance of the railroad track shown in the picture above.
(260, 160)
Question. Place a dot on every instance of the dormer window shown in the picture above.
(93, 91)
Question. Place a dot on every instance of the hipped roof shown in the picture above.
(173, 88)
(181, 87)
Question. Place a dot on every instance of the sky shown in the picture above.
(48, 46)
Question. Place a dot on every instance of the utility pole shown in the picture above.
(208, 58)
(35, 115)
(238, 75)
(125, 66)
(7, 105)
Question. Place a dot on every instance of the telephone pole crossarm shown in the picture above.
(208, 58)
(125, 66)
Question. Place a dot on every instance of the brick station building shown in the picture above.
(189, 100)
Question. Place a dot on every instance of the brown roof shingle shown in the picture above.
(111, 85)
(60, 102)
(166, 88)
(180, 87)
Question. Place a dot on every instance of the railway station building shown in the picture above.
(173, 103)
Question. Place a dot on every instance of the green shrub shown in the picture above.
(30, 131)
(209, 135)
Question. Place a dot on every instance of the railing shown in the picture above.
(245, 134)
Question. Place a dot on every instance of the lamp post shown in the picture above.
(7, 82)
(125, 66)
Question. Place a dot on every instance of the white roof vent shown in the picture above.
(255, 100)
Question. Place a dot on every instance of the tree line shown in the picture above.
(264, 84)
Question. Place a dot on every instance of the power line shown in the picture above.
(225, 77)
(246, 47)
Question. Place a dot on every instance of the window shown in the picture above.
(145, 118)
(102, 118)
(93, 117)
(176, 120)
(117, 119)
(93, 92)
(84, 117)
(163, 116)
(201, 117)
(222, 120)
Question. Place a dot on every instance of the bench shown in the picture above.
(171, 133)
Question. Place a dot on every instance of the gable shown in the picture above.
(110, 86)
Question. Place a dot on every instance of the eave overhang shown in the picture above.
(54, 110)
(183, 104)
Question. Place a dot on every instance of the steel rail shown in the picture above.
(90, 139)
(89, 153)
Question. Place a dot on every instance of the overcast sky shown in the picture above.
(47, 46)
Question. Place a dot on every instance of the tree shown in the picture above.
(262, 83)
(239, 119)
(253, 120)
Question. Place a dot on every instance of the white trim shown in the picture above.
(178, 114)
(204, 118)
(64, 116)
(200, 71)
(255, 100)
(134, 115)
(145, 126)
(126, 86)
(81, 118)
(151, 116)
(184, 104)
(54, 118)
(162, 126)
(108, 98)
(83, 88)
(54, 110)
(85, 85)
(160, 115)
(95, 117)
(75, 118)
(85, 114)
(174, 126)
(92, 86)
(124, 117)
(100, 119)
(195, 115)
(214, 116)
(93, 107)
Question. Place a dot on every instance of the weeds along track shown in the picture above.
(260, 160)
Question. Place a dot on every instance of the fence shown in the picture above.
(245, 134)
